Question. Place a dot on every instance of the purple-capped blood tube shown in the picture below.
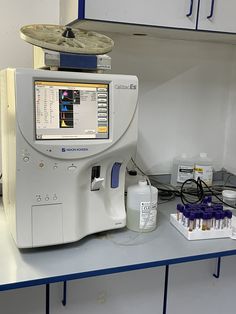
(192, 220)
(229, 216)
(198, 216)
(217, 219)
(209, 220)
(222, 219)
(210, 223)
(179, 210)
(204, 221)
(214, 219)
(186, 217)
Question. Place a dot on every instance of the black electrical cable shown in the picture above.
(200, 193)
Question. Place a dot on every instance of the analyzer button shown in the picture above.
(102, 129)
(26, 159)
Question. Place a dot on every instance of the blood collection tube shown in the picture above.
(222, 213)
(229, 215)
(214, 219)
(198, 216)
(204, 221)
(217, 219)
(186, 214)
(179, 209)
(209, 220)
(210, 212)
(192, 221)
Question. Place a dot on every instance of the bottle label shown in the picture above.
(205, 173)
(148, 217)
(184, 173)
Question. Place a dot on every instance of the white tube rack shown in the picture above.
(198, 234)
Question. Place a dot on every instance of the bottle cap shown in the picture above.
(180, 207)
(228, 214)
(218, 214)
(201, 213)
(214, 213)
(142, 182)
(209, 215)
(218, 207)
(205, 215)
(192, 216)
(186, 213)
(132, 172)
(209, 199)
(223, 214)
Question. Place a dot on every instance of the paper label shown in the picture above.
(205, 173)
(147, 217)
(184, 173)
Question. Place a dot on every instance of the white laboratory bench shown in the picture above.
(104, 254)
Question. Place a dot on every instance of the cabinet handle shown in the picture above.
(212, 9)
(190, 9)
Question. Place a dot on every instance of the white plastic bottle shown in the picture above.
(182, 170)
(140, 217)
(203, 168)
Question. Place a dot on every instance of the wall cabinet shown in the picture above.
(217, 15)
(199, 15)
(166, 13)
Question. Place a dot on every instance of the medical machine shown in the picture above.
(66, 140)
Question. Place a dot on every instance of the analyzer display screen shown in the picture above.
(71, 110)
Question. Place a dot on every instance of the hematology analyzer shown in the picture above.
(66, 140)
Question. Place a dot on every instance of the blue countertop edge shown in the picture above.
(113, 270)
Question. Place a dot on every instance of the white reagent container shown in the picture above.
(229, 197)
(140, 217)
(203, 168)
(183, 168)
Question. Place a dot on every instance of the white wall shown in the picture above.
(230, 138)
(183, 99)
(14, 14)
